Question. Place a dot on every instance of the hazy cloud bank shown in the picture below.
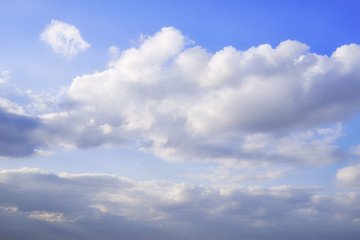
(87, 205)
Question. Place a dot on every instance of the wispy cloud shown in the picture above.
(4, 76)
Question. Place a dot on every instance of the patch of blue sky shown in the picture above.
(125, 162)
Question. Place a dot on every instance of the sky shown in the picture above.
(182, 120)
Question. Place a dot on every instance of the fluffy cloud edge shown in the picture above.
(349, 177)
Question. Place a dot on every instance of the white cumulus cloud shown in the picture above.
(182, 102)
(64, 38)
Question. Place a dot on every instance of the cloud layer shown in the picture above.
(85, 206)
(182, 102)
(64, 38)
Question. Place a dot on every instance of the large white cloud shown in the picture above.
(184, 103)
(64, 38)
(84, 206)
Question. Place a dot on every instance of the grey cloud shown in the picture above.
(16, 226)
(18, 137)
(90, 206)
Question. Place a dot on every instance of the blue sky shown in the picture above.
(179, 120)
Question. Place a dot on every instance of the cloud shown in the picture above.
(4, 76)
(182, 102)
(64, 38)
(39, 102)
(113, 52)
(235, 171)
(20, 134)
(84, 206)
(349, 177)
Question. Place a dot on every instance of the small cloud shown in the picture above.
(64, 38)
(356, 150)
(11, 107)
(4, 76)
(349, 177)
(47, 216)
(43, 153)
(114, 52)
